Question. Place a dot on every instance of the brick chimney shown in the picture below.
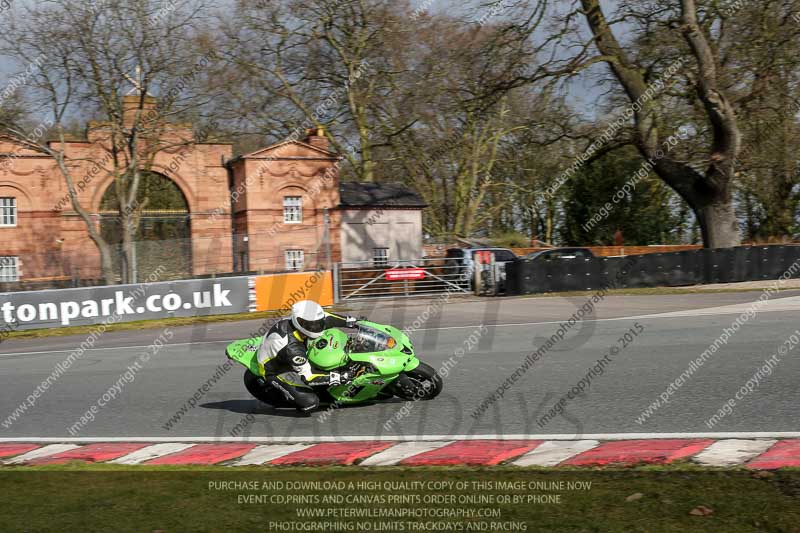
(132, 103)
(316, 137)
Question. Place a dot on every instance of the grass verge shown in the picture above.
(652, 291)
(142, 499)
(144, 324)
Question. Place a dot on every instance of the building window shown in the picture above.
(380, 257)
(292, 209)
(8, 212)
(294, 259)
(9, 269)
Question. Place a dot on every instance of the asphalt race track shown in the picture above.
(675, 329)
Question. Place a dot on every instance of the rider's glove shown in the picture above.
(352, 321)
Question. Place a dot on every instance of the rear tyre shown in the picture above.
(422, 383)
(259, 389)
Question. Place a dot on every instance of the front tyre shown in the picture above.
(422, 383)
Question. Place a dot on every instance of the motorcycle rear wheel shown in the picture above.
(422, 383)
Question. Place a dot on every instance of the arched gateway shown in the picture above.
(280, 208)
(186, 224)
(163, 237)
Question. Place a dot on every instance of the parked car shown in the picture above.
(463, 259)
(560, 254)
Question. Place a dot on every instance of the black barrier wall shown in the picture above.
(673, 269)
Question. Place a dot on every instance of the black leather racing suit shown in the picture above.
(283, 353)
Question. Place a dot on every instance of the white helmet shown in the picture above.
(309, 318)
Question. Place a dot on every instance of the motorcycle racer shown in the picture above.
(283, 354)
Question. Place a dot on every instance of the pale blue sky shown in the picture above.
(584, 91)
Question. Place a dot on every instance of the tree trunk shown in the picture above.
(127, 264)
(709, 199)
(106, 264)
(128, 248)
(719, 225)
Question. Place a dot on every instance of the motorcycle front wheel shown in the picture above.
(422, 383)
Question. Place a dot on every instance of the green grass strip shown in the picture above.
(203, 499)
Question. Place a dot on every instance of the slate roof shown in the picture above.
(358, 194)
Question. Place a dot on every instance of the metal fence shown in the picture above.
(70, 265)
(410, 278)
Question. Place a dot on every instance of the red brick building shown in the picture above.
(279, 208)
(285, 200)
(46, 239)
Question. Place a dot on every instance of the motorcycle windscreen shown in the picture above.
(370, 340)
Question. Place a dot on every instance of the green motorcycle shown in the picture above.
(380, 357)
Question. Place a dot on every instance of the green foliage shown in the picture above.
(511, 239)
(644, 211)
(12, 111)
(155, 192)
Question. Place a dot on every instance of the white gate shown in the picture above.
(418, 277)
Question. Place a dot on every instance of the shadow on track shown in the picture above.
(253, 407)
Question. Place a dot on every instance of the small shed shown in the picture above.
(381, 223)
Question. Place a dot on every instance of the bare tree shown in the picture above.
(467, 77)
(531, 159)
(709, 191)
(94, 55)
(324, 63)
(762, 42)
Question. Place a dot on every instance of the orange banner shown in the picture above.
(280, 291)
